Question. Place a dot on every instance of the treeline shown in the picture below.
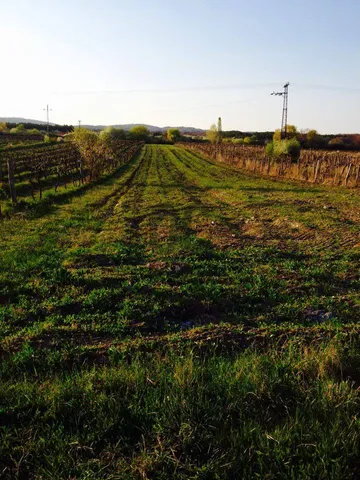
(307, 139)
(260, 137)
(41, 127)
(8, 132)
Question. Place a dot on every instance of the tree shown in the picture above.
(212, 134)
(20, 129)
(173, 134)
(312, 138)
(337, 142)
(112, 134)
(139, 133)
(355, 141)
(219, 129)
(291, 132)
(33, 131)
(91, 149)
(3, 127)
(277, 135)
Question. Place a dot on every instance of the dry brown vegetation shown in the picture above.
(316, 166)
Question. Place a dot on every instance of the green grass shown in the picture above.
(181, 319)
(276, 416)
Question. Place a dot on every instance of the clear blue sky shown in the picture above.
(183, 63)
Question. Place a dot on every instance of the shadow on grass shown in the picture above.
(47, 205)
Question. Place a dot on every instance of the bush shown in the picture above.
(91, 149)
(269, 149)
(112, 134)
(293, 149)
(173, 135)
(139, 132)
(283, 148)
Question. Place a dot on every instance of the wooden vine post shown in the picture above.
(11, 180)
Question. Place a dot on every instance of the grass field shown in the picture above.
(181, 319)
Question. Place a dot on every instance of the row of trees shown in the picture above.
(276, 147)
(141, 133)
(138, 133)
(95, 147)
(309, 138)
(33, 128)
(313, 139)
(18, 129)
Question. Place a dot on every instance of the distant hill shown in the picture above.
(24, 120)
(127, 126)
(152, 128)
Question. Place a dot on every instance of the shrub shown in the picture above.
(269, 149)
(91, 149)
(293, 149)
(283, 148)
(139, 132)
(173, 135)
(112, 134)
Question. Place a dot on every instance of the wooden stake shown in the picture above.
(11, 180)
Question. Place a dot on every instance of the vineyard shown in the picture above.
(179, 318)
(315, 166)
(31, 170)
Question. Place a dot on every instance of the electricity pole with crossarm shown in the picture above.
(285, 95)
(47, 109)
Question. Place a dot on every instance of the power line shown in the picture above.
(171, 90)
(331, 88)
(204, 88)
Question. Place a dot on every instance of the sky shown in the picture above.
(163, 62)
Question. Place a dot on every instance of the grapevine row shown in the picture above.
(58, 165)
(316, 166)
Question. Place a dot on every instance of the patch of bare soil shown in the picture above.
(220, 235)
(175, 267)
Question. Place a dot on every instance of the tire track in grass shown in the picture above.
(118, 232)
(175, 197)
(322, 237)
(160, 213)
(210, 218)
(32, 261)
(160, 185)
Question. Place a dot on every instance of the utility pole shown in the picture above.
(285, 95)
(79, 124)
(47, 118)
